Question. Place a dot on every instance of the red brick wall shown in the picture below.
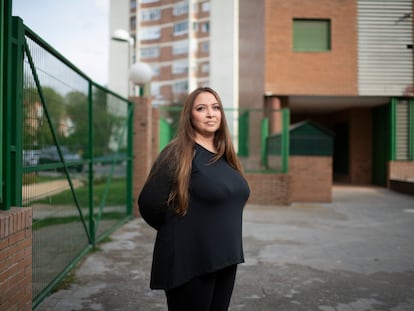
(311, 179)
(310, 73)
(401, 170)
(16, 259)
(269, 189)
(401, 176)
(143, 144)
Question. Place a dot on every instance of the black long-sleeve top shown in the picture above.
(209, 236)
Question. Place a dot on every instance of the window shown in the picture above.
(205, 47)
(180, 87)
(195, 26)
(155, 70)
(179, 68)
(151, 52)
(151, 33)
(132, 23)
(195, 7)
(205, 6)
(180, 28)
(151, 15)
(311, 35)
(205, 67)
(133, 4)
(205, 27)
(180, 47)
(180, 9)
(149, 1)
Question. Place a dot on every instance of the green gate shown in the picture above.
(68, 155)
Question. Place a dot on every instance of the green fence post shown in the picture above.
(243, 138)
(130, 155)
(92, 228)
(13, 116)
(285, 140)
(4, 20)
(263, 138)
(393, 142)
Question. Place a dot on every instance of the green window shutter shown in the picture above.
(402, 131)
(311, 35)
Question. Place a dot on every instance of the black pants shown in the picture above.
(210, 292)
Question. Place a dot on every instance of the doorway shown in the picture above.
(341, 153)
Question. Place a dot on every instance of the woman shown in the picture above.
(194, 197)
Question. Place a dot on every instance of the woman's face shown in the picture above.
(206, 114)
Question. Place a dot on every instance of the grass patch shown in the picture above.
(52, 221)
(116, 195)
(67, 281)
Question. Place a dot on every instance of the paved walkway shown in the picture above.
(354, 254)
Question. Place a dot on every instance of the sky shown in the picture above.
(77, 29)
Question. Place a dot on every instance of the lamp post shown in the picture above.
(122, 35)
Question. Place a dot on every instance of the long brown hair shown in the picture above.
(179, 153)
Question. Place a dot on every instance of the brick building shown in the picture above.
(346, 65)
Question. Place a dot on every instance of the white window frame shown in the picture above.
(150, 33)
(180, 8)
(205, 46)
(177, 28)
(205, 27)
(150, 15)
(150, 52)
(179, 68)
(205, 6)
(180, 87)
(155, 69)
(180, 47)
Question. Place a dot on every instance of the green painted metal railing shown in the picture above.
(251, 132)
(67, 154)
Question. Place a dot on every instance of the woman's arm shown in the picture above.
(152, 201)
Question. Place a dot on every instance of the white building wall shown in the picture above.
(224, 34)
(119, 51)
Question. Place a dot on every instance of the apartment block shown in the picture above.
(345, 65)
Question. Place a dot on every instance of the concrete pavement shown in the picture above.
(356, 253)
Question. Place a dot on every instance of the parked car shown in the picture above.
(31, 157)
(51, 155)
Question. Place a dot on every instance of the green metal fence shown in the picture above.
(252, 131)
(69, 150)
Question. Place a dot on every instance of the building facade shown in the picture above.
(187, 43)
(346, 65)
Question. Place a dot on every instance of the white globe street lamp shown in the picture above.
(140, 74)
